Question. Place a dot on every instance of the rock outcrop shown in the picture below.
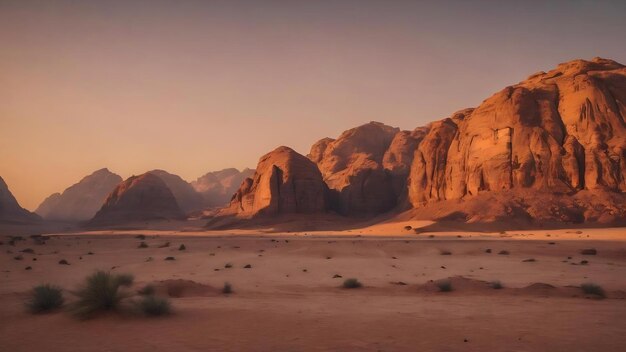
(186, 196)
(10, 210)
(81, 201)
(352, 167)
(217, 187)
(559, 132)
(285, 182)
(139, 198)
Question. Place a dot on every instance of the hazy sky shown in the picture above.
(196, 86)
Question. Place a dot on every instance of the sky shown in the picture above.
(197, 86)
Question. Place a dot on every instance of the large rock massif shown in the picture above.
(82, 200)
(187, 198)
(139, 198)
(10, 210)
(285, 182)
(551, 148)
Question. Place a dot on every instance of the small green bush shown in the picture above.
(444, 285)
(44, 298)
(352, 283)
(155, 306)
(101, 292)
(593, 289)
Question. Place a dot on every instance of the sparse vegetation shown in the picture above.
(593, 289)
(352, 283)
(101, 292)
(44, 298)
(444, 285)
(147, 290)
(182, 247)
(143, 245)
(227, 289)
(496, 285)
(155, 306)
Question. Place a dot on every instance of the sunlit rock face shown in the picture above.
(285, 182)
(560, 131)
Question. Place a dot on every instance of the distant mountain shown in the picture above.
(139, 198)
(218, 187)
(10, 210)
(82, 200)
(186, 196)
(551, 148)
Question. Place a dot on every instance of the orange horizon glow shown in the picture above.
(201, 86)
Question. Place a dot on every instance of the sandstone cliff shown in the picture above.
(284, 182)
(218, 187)
(187, 198)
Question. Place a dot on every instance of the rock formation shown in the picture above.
(366, 167)
(217, 188)
(10, 210)
(139, 198)
(284, 182)
(551, 148)
(81, 201)
(561, 131)
(186, 196)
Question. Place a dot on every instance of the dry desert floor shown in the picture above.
(290, 298)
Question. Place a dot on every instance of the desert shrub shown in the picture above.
(227, 289)
(445, 252)
(444, 285)
(101, 292)
(155, 306)
(182, 247)
(496, 285)
(352, 283)
(44, 298)
(593, 289)
(147, 290)
(143, 245)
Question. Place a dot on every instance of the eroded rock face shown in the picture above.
(284, 182)
(81, 201)
(352, 167)
(10, 210)
(186, 196)
(139, 198)
(560, 131)
(217, 187)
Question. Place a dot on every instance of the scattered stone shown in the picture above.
(170, 258)
(504, 252)
(63, 262)
(589, 251)
(247, 266)
(529, 260)
(182, 247)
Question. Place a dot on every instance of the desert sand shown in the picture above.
(289, 300)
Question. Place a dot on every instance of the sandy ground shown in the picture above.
(289, 301)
